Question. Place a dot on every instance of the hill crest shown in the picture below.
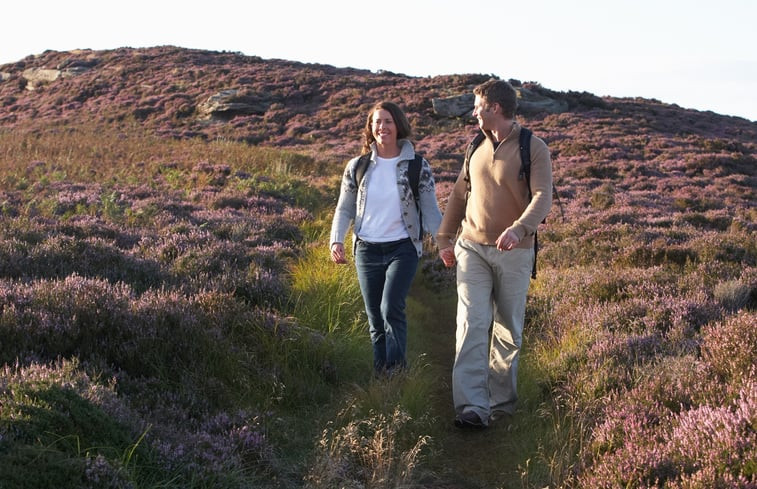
(314, 108)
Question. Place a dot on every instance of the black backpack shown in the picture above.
(413, 176)
(524, 142)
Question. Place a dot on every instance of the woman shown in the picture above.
(387, 241)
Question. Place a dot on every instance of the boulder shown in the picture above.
(227, 104)
(456, 106)
(38, 76)
(529, 103)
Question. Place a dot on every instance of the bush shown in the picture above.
(729, 345)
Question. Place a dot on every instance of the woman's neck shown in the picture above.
(387, 151)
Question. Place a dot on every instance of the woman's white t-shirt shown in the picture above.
(382, 220)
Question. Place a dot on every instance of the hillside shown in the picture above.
(314, 108)
(169, 317)
(318, 110)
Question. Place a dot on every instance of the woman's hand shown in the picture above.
(337, 253)
(448, 256)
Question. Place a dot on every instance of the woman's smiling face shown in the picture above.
(384, 129)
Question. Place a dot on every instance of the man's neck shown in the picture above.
(503, 130)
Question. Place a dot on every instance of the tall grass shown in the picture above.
(173, 283)
(374, 435)
(170, 318)
(144, 288)
(366, 452)
(105, 153)
(327, 297)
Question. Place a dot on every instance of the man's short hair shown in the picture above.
(499, 92)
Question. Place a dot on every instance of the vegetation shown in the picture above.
(169, 316)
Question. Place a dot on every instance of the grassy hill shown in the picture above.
(169, 316)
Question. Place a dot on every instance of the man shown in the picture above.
(494, 253)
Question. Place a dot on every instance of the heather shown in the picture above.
(147, 305)
(169, 316)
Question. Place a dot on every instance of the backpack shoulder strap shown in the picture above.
(414, 168)
(525, 166)
(414, 174)
(361, 167)
(468, 153)
(524, 141)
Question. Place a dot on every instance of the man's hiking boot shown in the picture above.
(469, 420)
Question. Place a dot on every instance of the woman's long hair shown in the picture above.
(400, 121)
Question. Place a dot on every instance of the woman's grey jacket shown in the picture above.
(351, 204)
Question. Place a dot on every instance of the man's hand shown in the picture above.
(448, 256)
(337, 253)
(507, 240)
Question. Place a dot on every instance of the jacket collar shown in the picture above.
(407, 151)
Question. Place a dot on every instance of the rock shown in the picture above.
(77, 64)
(529, 103)
(39, 76)
(227, 104)
(456, 106)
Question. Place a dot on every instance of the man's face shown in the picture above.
(482, 111)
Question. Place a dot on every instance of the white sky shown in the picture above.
(699, 54)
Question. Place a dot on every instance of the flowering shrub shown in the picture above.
(119, 435)
(729, 346)
(703, 446)
(647, 331)
(147, 286)
(172, 292)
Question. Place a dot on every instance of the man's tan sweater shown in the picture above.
(498, 199)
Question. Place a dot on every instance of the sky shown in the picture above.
(698, 54)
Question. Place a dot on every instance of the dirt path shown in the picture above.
(490, 459)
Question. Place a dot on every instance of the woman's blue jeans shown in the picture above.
(385, 272)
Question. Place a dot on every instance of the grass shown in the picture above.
(170, 318)
(173, 310)
(82, 153)
(63, 433)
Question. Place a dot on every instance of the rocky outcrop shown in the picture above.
(457, 106)
(39, 76)
(227, 104)
(529, 103)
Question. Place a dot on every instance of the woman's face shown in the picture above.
(383, 128)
